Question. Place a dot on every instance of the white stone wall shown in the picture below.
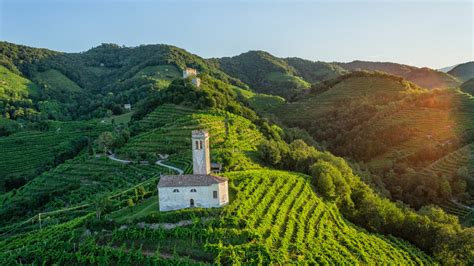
(201, 155)
(223, 193)
(203, 197)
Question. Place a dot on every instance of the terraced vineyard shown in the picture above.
(274, 218)
(353, 88)
(73, 182)
(450, 164)
(24, 153)
(294, 223)
(173, 133)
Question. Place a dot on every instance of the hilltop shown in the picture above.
(423, 77)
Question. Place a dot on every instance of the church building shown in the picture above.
(201, 189)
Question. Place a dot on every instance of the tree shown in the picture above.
(130, 204)
(141, 191)
(105, 141)
(323, 173)
(270, 152)
(101, 204)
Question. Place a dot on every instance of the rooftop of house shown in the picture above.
(189, 180)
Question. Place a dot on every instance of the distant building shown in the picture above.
(196, 82)
(201, 189)
(127, 106)
(189, 72)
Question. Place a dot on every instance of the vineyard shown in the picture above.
(275, 217)
(74, 182)
(26, 154)
(169, 132)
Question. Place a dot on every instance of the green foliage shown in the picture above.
(360, 204)
(315, 72)
(463, 72)
(42, 146)
(468, 86)
(264, 73)
(423, 77)
(167, 130)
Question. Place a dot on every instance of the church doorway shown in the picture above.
(191, 203)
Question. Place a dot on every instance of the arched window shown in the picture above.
(200, 144)
(197, 145)
(193, 190)
(175, 190)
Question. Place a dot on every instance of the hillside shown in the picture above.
(95, 83)
(275, 217)
(468, 86)
(315, 72)
(264, 73)
(464, 71)
(391, 127)
(40, 147)
(79, 172)
(423, 77)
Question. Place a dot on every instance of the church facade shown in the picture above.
(201, 189)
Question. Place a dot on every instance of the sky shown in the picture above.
(421, 33)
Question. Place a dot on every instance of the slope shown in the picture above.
(264, 73)
(97, 83)
(167, 130)
(33, 150)
(315, 72)
(16, 93)
(464, 71)
(468, 86)
(424, 77)
(391, 127)
(275, 217)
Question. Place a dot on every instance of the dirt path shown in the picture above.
(158, 162)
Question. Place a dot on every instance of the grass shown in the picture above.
(160, 72)
(119, 119)
(280, 77)
(262, 103)
(56, 81)
(145, 208)
(13, 87)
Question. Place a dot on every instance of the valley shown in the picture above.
(327, 163)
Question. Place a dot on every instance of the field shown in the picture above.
(27, 153)
(274, 218)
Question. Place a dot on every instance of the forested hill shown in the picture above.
(424, 77)
(416, 143)
(95, 83)
(78, 172)
(268, 74)
(464, 71)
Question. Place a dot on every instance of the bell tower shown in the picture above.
(201, 156)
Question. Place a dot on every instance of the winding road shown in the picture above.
(158, 162)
